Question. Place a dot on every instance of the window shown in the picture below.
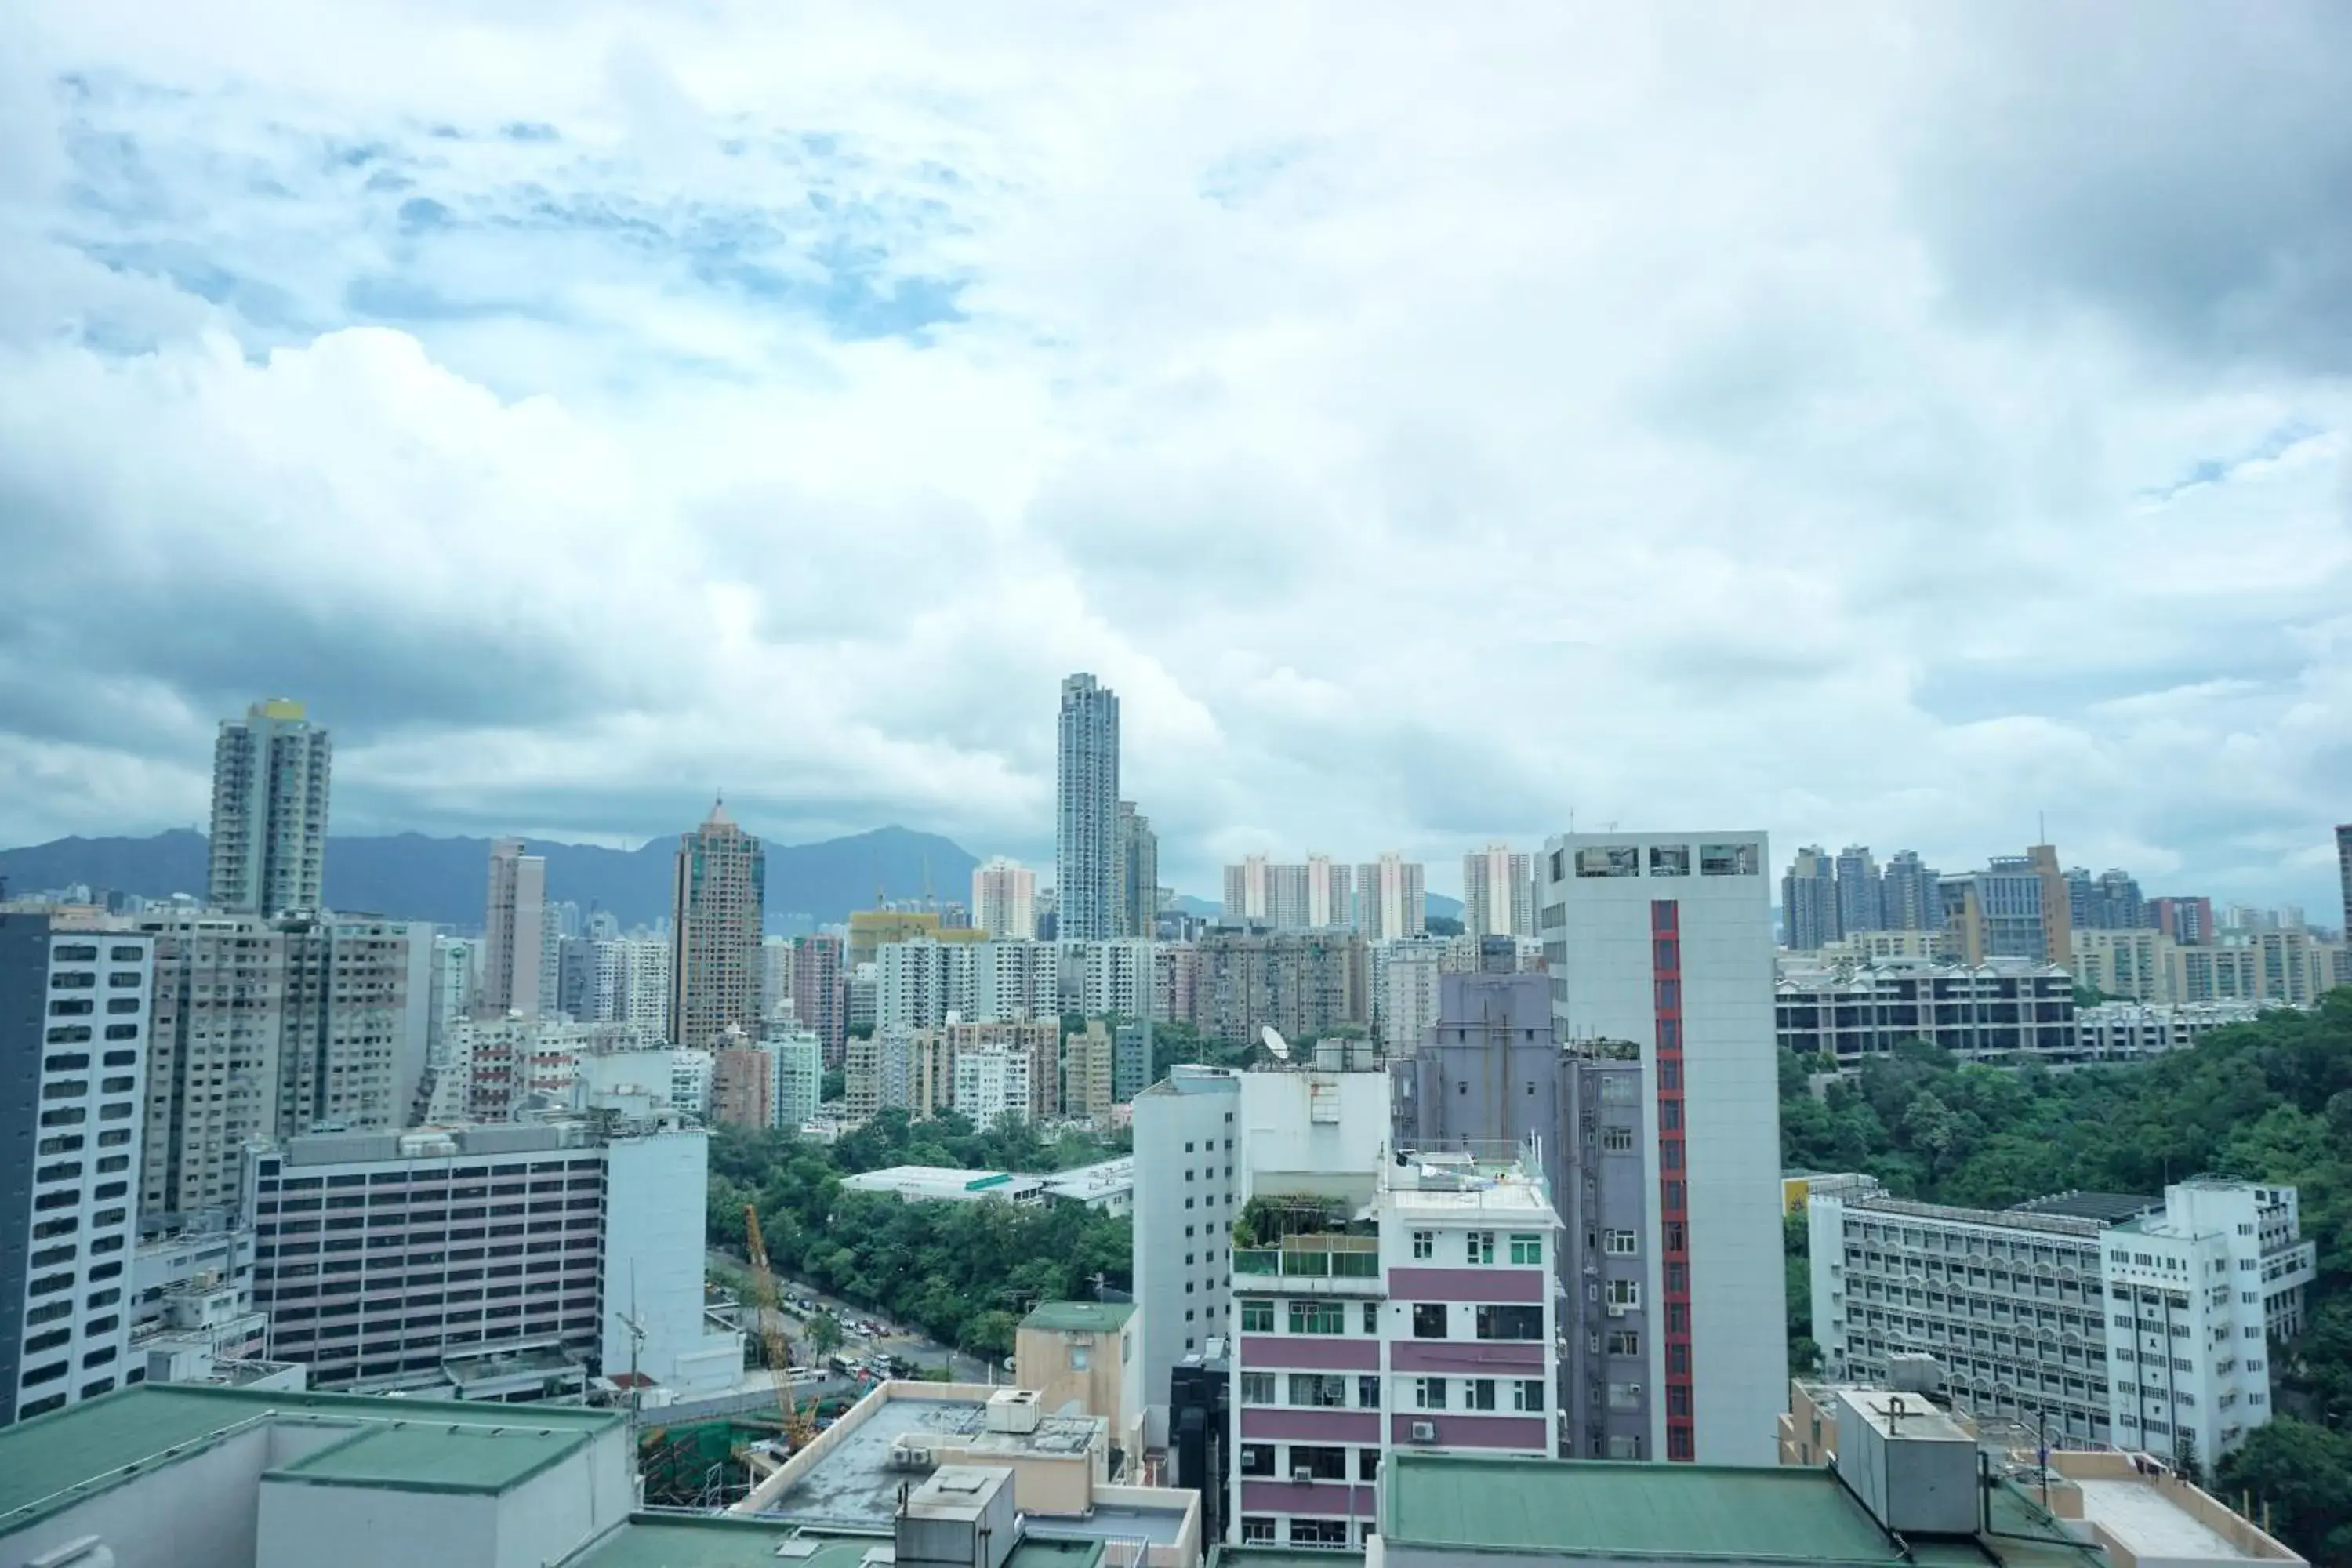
(1424, 1243)
(1319, 1532)
(1321, 1462)
(1429, 1319)
(1510, 1323)
(1624, 1293)
(1257, 1317)
(1617, 1139)
(1669, 859)
(1368, 1393)
(1623, 1243)
(1257, 1388)
(1608, 860)
(1320, 1390)
(1527, 1394)
(1429, 1393)
(1318, 1318)
(1481, 1246)
(1478, 1393)
(1257, 1458)
(1727, 860)
(1371, 1316)
(1527, 1248)
(1257, 1529)
(1624, 1341)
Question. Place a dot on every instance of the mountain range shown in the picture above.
(410, 875)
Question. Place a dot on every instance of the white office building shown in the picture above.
(74, 1006)
(385, 1260)
(2195, 1292)
(1666, 939)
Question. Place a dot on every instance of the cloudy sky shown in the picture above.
(1867, 423)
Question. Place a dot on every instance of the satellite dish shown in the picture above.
(1276, 1046)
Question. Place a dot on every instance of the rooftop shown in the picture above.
(2149, 1525)
(436, 1458)
(2109, 1207)
(1079, 1317)
(1684, 1513)
(705, 1540)
(55, 1460)
(852, 1484)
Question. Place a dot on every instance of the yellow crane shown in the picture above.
(798, 1426)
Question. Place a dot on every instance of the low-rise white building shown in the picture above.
(2124, 1031)
(944, 1184)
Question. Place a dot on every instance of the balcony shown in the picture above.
(1316, 1265)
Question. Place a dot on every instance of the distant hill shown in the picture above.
(412, 876)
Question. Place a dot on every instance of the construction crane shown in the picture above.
(798, 1426)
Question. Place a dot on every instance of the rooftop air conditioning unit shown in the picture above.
(1421, 1432)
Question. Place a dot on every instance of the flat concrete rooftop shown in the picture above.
(852, 1485)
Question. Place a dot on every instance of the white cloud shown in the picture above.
(1430, 429)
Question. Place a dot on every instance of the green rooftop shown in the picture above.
(53, 1461)
(439, 1457)
(1600, 1509)
(1079, 1317)
(726, 1541)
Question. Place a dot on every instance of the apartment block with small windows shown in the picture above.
(74, 1006)
(2196, 1293)
(2001, 1007)
(1412, 1308)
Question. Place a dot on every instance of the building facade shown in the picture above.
(1499, 892)
(1808, 906)
(2001, 1007)
(1135, 898)
(718, 899)
(1303, 983)
(820, 992)
(1391, 898)
(74, 1010)
(271, 772)
(1666, 939)
(514, 928)
(1005, 899)
(1429, 1329)
(1086, 829)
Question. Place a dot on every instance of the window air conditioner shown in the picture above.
(1423, 1432)
(1301, 1476)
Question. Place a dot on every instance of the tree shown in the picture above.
(2304, 1474)
(822, 1334)
(836, 1085)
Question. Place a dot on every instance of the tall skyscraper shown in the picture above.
(1005, 899)
(1085, 831)
(74, 1006)
(1499, 892)
(1861, 895)
(1136, 863)
(2344, 872)
(1665, 940)
(1809, 900)
(270, 775)
(718, 899)
(1329, 902)
(514, 932)
(1249, 892)
(1390, 899)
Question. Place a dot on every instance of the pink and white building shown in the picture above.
(1408, 1307)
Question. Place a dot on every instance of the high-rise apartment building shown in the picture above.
(1086, 829)
(1499, 892)
(1808, 906)
(1666, 939)
(2344, 874)
(1861, 891)
(269, 1028)
(74, 1009)
(1907, 895)
(2187, 920)
(1409, 1309)
(1390, 899)
(1331, 897)
(514, 931)
(1005, 899)
(270, 775)
(1136, 863)
(1090, 1071)
(1492, 1074)
(718, 899)
(1305, 983)
(1405, 990)
(1315, 895)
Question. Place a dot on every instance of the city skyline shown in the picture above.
(952, 373)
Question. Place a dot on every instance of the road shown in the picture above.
(962, 1367)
